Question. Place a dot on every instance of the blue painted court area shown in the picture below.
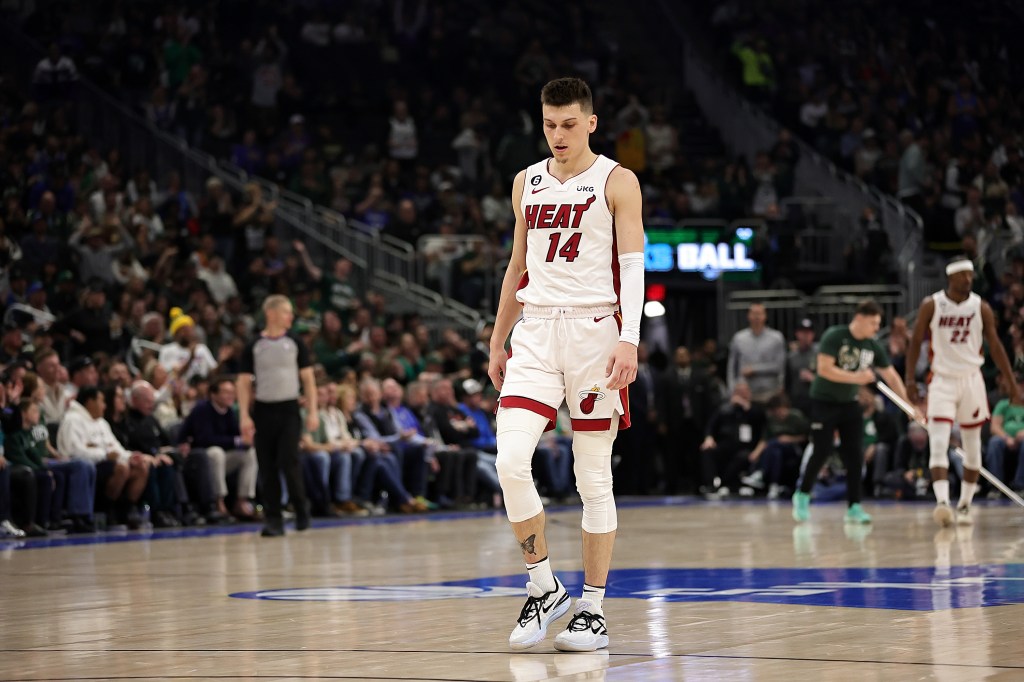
(912, 589)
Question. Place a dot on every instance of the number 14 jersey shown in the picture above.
(956, 335)
(571, 255)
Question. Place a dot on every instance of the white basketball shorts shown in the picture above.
(562, 354)
(958, 398)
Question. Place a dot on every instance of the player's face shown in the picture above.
(868, 325)
(567, 130)
(961, 282)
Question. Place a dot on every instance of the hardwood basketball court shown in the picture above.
(723, 591)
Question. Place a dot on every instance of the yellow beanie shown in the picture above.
(179, 319)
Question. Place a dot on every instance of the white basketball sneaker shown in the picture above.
(586, 630)
(540, 610)
(963, 515)
(943, 514)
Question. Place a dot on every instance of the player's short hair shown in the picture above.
(564, 92)
(869, 308)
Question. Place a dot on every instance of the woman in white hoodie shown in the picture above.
(84, 434)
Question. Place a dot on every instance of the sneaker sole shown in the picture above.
(599, 642)
(856, 522)
(943, 516)
(559, 611)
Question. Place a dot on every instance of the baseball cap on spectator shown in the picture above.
(10, 326)
(34, 287)
(179, 320)
(805, 325)
(97, 286)
(78, 364)
(65, 276)
(471, 387)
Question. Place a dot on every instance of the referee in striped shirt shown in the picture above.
(278, 361)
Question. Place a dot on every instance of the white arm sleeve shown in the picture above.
(631, 295)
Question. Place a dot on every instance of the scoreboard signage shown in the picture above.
(707, 249)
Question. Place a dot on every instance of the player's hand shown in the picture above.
(312, 421)
(621, 367)
(912, 392)
(496, 368)
(865, 377)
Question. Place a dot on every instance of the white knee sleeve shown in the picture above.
(938, 442)
(592, 451)
(518, 432)
(971, 439)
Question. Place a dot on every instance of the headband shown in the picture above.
(959, 266)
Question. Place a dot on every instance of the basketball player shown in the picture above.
(958, 322)
(576, 278)
(848, 357)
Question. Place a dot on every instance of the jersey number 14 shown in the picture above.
(570, 250)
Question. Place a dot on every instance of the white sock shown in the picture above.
(967, 491)
(941, 489)
(594, 595)
(541, 576)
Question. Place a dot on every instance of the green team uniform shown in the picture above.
(852, 355)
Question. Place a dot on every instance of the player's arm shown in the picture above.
(827, 370)
(508, 307)
(924, 318)
(891, 377)
(998, 353)
(626, 204)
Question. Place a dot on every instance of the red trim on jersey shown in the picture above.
(942, 419)
(524, 279)
(625, 421)
(974, 425)
(591, 424)
(532, 405)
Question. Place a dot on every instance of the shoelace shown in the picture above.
(584, 621)
(531, 610)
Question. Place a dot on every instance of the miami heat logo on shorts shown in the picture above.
(589, 398)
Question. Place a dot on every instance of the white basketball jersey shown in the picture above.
(956, 342)
(571, 256)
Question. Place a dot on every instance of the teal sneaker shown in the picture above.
(856, 514)
(801, 506)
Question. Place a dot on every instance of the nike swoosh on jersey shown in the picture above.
(598, 319)
(540, 189)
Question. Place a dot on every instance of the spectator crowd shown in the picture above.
(128, 298)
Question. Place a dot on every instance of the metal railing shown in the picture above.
(748, 130)
(827, 306)
(110, 124)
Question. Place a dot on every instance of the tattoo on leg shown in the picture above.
(527, 545)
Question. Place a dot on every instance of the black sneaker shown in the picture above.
(272, 531)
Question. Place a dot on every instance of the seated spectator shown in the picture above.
(779, 463)
(213, 427)
(7, 527)
(1007, 436)
(454, 468)
(734, 438)
(910, 477)
(30, 448)
(184, 357)
(330, 461)
(381, 470)
(880, 434)
(85, 435)
(166, 493)
(457, 428)
(377, 421)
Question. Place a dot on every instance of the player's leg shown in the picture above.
(941, 410)
(592, 451)
(972, 414)
(823, 425)
(518, 432)
(851, 450)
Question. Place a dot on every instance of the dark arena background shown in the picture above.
(167, 166)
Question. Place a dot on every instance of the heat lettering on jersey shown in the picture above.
(556, 216)
(955, 320)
